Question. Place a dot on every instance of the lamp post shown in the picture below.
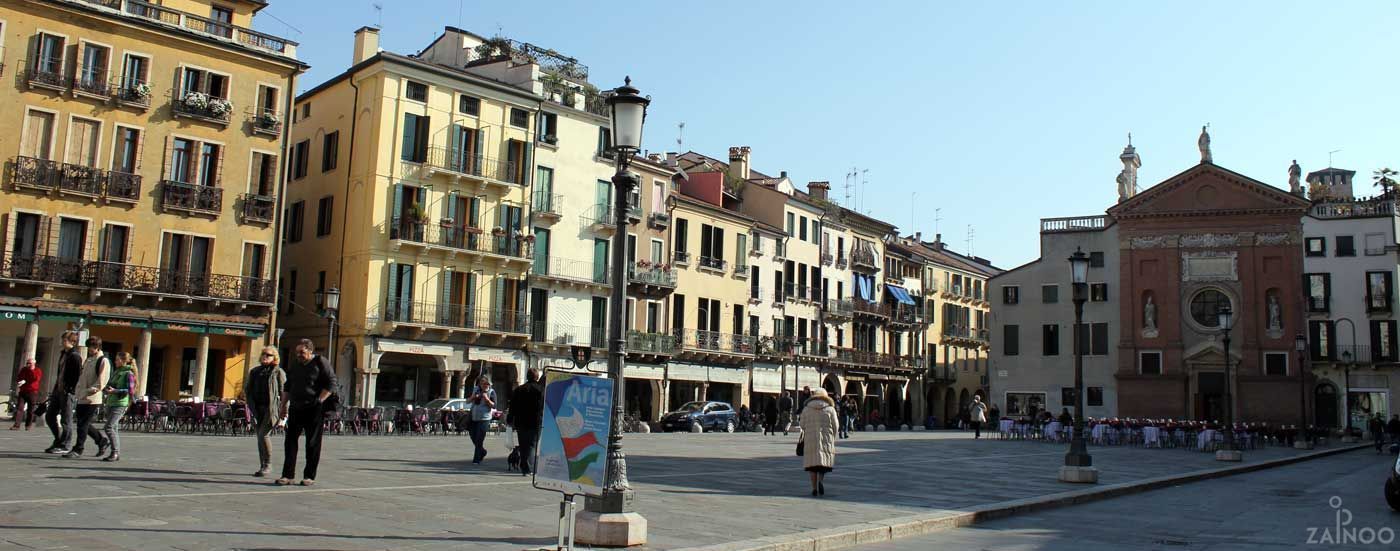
(1303, 440)
(329, 300)
(1226, 319)
(1347, 359)
(610, 520)
(1079, 466)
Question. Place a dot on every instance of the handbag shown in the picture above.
(799, 447)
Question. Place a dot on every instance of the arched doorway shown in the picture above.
(894, 399)
(853, 390)
(640, 398)
(950, 408)
(407, 379)
(832, 386)
(1325, 405)
(874, 399)
(931, 406)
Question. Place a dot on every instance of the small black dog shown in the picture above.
(513, 462)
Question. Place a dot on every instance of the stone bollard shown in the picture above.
(904, 427)
(644, 428)
(870, 428)
(879, 428)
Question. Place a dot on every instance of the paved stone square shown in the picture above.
(421, 492)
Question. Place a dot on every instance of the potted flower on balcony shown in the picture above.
(528, 239)
(220, 107)
(498, 231)
(643, 264)
(139, 92)
(268, 119)
(196, 100)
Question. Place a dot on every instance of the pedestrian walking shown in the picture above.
(770, 415)
(785, 412)
(309, 384)
(61, 398)
(483, 404)
(819, 425)
(977, 414)
(96, 370)
(1377, 427)
(526, 411)
(116, 398)
(803, 396)
(27, 391)
(843, 414)
(1393, 428)
(994, 419)
(263, 393)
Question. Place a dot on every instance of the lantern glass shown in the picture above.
(332, 299)
(627, 117)
(1079, 267)
(1300, 344)
(1226, 317)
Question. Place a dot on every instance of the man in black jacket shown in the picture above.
(309, 383)
(61, 400)
(526, 409)
(785, 412)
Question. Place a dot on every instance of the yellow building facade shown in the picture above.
(141, 192)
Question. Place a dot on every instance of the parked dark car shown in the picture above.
(709, 415)
(1392, 483)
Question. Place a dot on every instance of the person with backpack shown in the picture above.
(90, 399)
(117, 397)
(310, 383)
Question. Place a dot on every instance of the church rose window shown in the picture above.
(1205, 305)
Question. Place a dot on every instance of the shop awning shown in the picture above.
(900, 294)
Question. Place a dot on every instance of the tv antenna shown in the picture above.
(1329, 156)
(680, 136)
(379, 11)
(971, 235)
(850, 176)
(864, 181)
(937, 217)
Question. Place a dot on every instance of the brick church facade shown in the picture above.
(1204, 238)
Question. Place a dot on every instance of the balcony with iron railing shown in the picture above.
(1380, 303)
(827, 258)
(756, 294)
(46, 176)
(564, 335)
(406, 231)
(650, 278)
(904, 314)
(1356, 354)
(547, 206)
(455, 317)
(1367, 207)
(871, 309)
(865, 358)
(120, 277)
(650, 344)
(863, 259)
(715, 342)
(552, 269)
(659, 220)
(46, 72)
(259, 209)
(714, 265)
(266, 121)
(132, 92)
(942, 374)
(837, 310)
(842, 262)
(598, 218)
(681, 258)
(811, 348)
(191, 198)
(964, 333)
(92, 82)
(201, 106)
(1073, 224)
(201, 25)
(460, 162)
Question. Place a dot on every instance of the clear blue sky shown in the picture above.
(998, 113)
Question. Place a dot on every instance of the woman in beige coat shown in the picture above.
(819, 425)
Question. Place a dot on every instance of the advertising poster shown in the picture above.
(574, 434)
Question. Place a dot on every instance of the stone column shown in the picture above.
(373, 384)
(448, 377)
(143, 361)
(31, 343)
(201, 367)
(459, 378)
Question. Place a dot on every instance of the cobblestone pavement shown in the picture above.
(421, 492)
(1287, 507)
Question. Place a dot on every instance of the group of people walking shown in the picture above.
(83, 388)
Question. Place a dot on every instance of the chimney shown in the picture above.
(918, 237)
(818, 189)
(937, 241)
(739, 162)
(782, 174)
(366, 44)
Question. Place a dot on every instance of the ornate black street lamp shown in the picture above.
(1078, 464)
(329, 300)
(1303, 440)
(1226, 320)
(628, 110)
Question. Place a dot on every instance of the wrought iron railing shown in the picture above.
(598, 216)
(646, 273)
(547, 204)
(681, 258)
(455, 316)
(569, 269)
(650, 343)
(201, 106)
(864, 258)
(462, 161)
(46, 72)
(568, 335)
(841, 308)
(123, 186)
(267, 121)
(258, 208)
(714, 341)
(871, 308)
(119, 276)
(1318, 304)
(133, 92)
(711, 263)
(33, 173)
(866, 358)
(92, 82)
(46, 175)
(41, 268)
(191, 197)
(458, 237)
(82, 180)
(244, 36)
(961, 332)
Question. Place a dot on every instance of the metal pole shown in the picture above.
(1229, 402)
(1303, 435)
(1078, 455)
(617, 492)
(1346, 370)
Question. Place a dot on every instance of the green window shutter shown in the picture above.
(392, 296)
(398, 200)
(444, 306)
(410, 138)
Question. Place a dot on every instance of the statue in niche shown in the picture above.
(1275, 313)
(1149, 316)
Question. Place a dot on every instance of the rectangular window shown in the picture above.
(330, 151)
(415, 138)
(267, 101)
(519, 118)
(204, 82)
(323, 216)
(1093, 339)
(1276, 363)
(681, 235)
(209, 158)
(468, 105)
(72, 238)
(1049, 294)
(83, 136)
(605, 143)
(48, 61)
(1050, 340)
(416, 91)
(254, 257)
(181, 160)
(1383, 341)
(114, 244)
(1315, 246)
(1025, 404)
(548, 131)
(1093, 396)
(1150, 363)
(1378, 291)
(127, 158)
(802, 229)
(1098, 292)
(1321, 345)
(1011, 340)
(263, 178)
(1346, 245)
(92, 75)
(1096, 259)
(1375, 244)
(301, 153)
(136, 70)
(38, 135)
(295, 221)
(677, 313)
(1319, 291)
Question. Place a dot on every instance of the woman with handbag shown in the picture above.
(817, 441)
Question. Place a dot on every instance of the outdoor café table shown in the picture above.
(1006, 425)
(1205, 437)
(1150, 436)
(1052, 430)
(1100, 431)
